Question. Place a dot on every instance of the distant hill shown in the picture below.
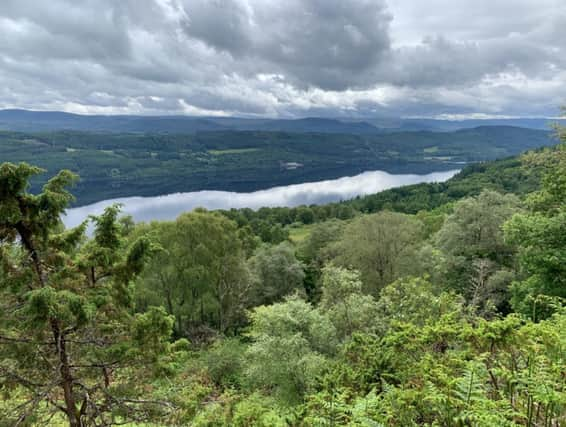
(35, 121)
(310, 124)
(38, 121)
(396, 125)
(119, 164)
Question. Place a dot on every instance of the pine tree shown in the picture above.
(67, 328)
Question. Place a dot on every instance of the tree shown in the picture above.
(473, 230)
(320, 236)
(277, 272)
(200, 277)
(540, 234)
(379, 246)
(290, 341)
(343, 302)
(316, 250)
(66, 314)
(305, 215)
(415, 301)
(475, 249)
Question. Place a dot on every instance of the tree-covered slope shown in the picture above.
(117, 165)
(451, 316)
(41, 121)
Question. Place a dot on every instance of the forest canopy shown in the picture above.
(435, 304)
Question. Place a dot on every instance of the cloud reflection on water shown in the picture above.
(170, 206)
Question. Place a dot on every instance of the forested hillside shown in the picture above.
(428, 305)
(504, 176)
(43, 121)
(112, 165)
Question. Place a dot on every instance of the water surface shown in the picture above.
(169, 206)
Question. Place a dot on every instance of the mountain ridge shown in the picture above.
(37, 121)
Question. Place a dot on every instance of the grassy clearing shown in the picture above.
(298, 234)
(431, 150)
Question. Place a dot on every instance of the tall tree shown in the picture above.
(65, 308)
(478, 261)
(343, 302)
(379, 246)
(277, 272)
(201, 276)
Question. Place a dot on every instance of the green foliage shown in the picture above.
(151, 331)
(277, 272)
(344, 302)
(541, 237)
(290, 343)
(46, 304)
(448, 372)
(65, 317)
(224, 362)
(380, 246)
(478, 261)
(316, 250)
(413, 301)
(200, 276)
(473, 230)
(320, 236)
(258, 410)
(409, 319)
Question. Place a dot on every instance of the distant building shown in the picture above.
(290, 165)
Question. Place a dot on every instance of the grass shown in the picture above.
(300, 233)
(430, 150)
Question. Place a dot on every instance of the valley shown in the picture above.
(113, 164)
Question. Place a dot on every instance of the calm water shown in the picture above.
(169, 206)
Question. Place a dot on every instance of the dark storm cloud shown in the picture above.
(291, 58)
(222, 24)
(324, 43)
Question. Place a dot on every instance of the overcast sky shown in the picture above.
(285, 58)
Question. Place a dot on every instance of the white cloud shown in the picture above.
(292, 58)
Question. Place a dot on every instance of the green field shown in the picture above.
(233, 151)
(297, 234)
(430, 150)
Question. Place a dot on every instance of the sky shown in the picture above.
(285, 58)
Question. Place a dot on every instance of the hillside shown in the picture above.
(129, 164)
(451, 313)
(507, 176)
(41, 121)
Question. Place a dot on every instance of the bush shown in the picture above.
(224, 362)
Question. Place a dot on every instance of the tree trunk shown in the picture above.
(67, 379)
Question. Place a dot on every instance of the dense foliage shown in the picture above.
(70, 341)
(433, 305)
